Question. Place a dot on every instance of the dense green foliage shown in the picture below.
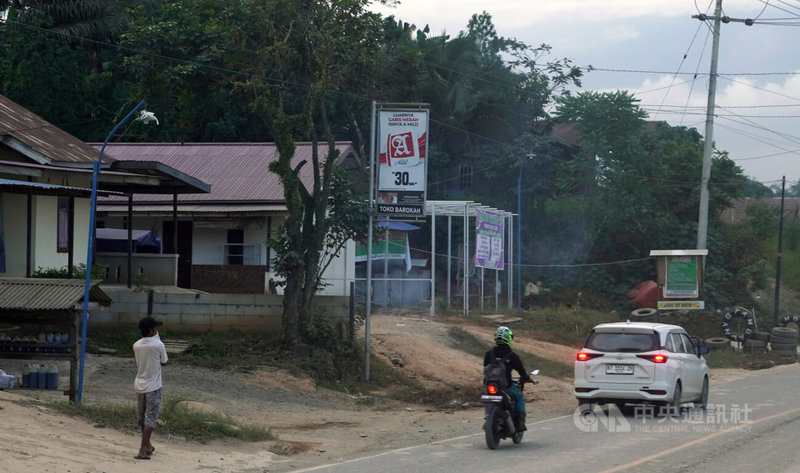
(288, 71)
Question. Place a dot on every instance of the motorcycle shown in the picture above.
(500, 414)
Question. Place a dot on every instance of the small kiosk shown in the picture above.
(31, 307)
(680, 274)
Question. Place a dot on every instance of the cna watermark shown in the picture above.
(647, 418)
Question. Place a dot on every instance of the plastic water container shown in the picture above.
(52, 377)
(42, 377)
(33, 377)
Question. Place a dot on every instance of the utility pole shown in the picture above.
(702, 221)
(778, 261)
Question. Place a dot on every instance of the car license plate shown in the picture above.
(619, 369)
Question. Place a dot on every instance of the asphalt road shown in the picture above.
(752, 425)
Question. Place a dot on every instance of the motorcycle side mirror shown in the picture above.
(535, 372)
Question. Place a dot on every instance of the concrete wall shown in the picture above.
(200, 311)
(229, 279)
(156, 269)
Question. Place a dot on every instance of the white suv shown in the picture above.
(639, 362)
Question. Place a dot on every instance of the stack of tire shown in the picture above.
(783, 340)
(756, 343)
(644, 315)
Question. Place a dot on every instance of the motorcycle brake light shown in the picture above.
(492, 389)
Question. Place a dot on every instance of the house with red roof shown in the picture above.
(45, 189)
(220, 236)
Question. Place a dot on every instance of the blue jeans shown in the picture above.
(516, 394)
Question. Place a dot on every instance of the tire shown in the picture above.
(790, 319)
(702, 403)
(755, 349)
(749, 321)
(784, 346)
(760, 336)
(784, 332)
(718, 343)
(675, 404)
(782, 339)
(787, 353)
(492, 428)
(644, 315)
(754, 343)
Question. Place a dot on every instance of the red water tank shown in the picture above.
(644, 295)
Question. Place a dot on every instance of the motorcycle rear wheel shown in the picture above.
(492, 429)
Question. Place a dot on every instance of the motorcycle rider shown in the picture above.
(503, 337)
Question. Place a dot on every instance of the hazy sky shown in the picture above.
(640, 45)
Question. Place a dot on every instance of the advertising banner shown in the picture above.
(681, 277)
(403, 163)
(489, 238)
(396, 249)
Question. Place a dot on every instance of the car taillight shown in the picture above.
(583, 356)
(492, 389)
(654, 358)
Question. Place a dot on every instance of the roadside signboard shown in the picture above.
(681, 277)
(489, 238)
(403, 163)
(680, 305)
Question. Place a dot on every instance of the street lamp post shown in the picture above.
(146, 117)
(519, 231)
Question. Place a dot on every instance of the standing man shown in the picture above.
(150, 357)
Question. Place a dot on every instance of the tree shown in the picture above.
(303, 54)
(638, 183)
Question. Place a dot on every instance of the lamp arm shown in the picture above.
(90, 245)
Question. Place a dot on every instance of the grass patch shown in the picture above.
(750, 361)
(237, 350)
(177, 421)
(469, 343)
(565, 325)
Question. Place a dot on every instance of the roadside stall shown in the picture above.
(40, 320)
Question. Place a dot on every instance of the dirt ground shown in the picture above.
(314, 425)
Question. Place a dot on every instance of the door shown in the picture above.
(184, 250)
(694, 368)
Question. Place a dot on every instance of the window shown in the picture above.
(465, 177)
(235, 246)
(622, 342)
(63, 225)
(690, 348)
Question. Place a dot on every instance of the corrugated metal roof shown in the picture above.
(192, 208)
(47, 294)
(236, 171)
(39, 188)
(40, 140)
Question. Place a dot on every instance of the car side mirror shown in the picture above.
(702, 350)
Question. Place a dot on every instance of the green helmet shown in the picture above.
(503, 336)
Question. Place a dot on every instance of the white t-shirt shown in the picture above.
(150, 353)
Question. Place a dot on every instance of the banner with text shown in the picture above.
(489, 239)
(402, 171)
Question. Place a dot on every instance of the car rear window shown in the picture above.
(623, 342)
